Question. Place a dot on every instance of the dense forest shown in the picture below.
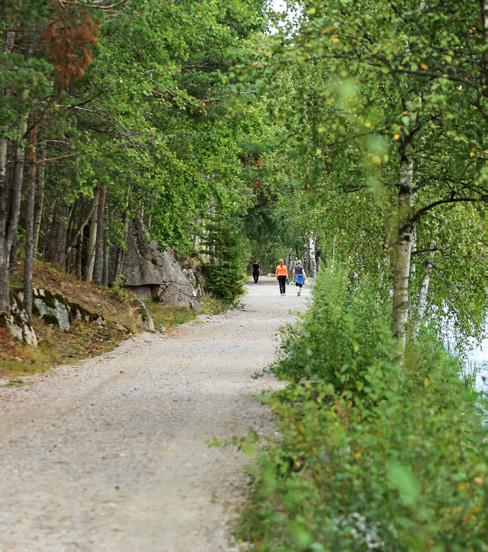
(116, 112)
(350, 134)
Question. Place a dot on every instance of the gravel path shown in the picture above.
(110, 455)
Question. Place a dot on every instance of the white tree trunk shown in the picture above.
(8, 41)
(402, 251)
(424, 290)
(312, 255)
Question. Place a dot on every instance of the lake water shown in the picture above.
(479, 359)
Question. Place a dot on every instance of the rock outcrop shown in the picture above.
(150, 272)
(17, 323)
(53, 308)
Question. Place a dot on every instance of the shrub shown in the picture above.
(403, 472)
(343, 339)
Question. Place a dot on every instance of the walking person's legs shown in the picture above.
(282, 283)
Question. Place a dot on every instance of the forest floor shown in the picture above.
(111, 454)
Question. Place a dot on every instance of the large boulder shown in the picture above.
(150, 272)
(51, 309)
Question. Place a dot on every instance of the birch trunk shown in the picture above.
(29, 222)
(8, 41)
(424, 291)
(403, 250)
(92, 238)
(312, 255)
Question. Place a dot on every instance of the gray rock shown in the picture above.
(145, 318)
(17, 323)
(150, 272)
(52, 311)
(195, 279)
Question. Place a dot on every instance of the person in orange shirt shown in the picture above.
(282, 276)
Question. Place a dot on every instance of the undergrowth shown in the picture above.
(82, 340)
(373, 454)
(166, 317)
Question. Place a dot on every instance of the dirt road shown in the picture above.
(110, 455)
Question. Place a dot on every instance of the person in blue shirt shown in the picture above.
(299, 276)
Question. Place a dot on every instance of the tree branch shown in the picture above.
(53, 159)
(421, 212)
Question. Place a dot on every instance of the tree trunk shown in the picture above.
(41, 181)
(14, 200)
(79, 257)
(484, 16)
(121, 251)
(4, 253)
(92, 237)
(424, 290)
(106, 264)
(311, 254)
(8, 41)
(402, 250)
(98, 270)
(56, 240)
(29, 222)
(16, 190)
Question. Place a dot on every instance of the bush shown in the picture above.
(228, 252)
(343, 339)
(403, 472)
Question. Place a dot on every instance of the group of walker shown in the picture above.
(281, 272)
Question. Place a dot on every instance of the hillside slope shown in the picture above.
(110, 316)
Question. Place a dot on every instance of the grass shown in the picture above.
(81, 341)
(166, 317)
(212, 305)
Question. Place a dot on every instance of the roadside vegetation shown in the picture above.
(378, 159)
(374, 452)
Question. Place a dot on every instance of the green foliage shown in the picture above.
(156, 116)
(351, 87)
(228, 253)
(405, 471)
(344, 339)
